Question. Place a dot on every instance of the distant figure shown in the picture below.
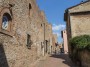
(56, 44)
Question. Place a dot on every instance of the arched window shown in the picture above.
(6, 21)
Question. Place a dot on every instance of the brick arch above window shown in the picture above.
(6, 22)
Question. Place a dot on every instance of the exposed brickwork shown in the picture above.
(78, 18)
(24, 21)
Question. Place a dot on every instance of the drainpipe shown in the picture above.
(44, 38)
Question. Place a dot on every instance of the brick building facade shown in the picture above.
(21, 33)
(78, 23)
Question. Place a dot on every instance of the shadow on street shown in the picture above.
(66, 59)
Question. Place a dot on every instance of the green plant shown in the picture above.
(80, 42)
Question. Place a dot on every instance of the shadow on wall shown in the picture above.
(66, 59)
(3, 59)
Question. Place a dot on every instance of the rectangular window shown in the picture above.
(29, 43)
(41, 45)
(30, 7)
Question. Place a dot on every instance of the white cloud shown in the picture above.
(58, 34)
(57, 30)
(58, 27)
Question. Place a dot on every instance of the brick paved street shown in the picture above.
(61, 60)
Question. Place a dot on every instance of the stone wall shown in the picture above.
(54, 39)
(85, 58)
(77, 20)
(49, 36)
(26, 20)
(82, 7)
(80, 24)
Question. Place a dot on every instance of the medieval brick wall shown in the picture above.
(26, 20)
(78, 18)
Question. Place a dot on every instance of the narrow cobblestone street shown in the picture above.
(61, 60)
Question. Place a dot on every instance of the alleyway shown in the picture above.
(61, 60)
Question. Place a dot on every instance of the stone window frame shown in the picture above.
(6, 12)
(30, 7)
(7, 17)
(29, 42)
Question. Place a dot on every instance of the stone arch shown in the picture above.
(8, 16)
(6, 21)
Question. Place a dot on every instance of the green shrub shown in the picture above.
(80, 42)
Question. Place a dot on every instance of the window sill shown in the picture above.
(8, 33)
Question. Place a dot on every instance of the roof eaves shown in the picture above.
(77, 4)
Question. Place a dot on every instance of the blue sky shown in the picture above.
(54, 11)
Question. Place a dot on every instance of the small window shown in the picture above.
(6, 22)
(29, 42)
(41, 45)
(41, 25)
(30, 6)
